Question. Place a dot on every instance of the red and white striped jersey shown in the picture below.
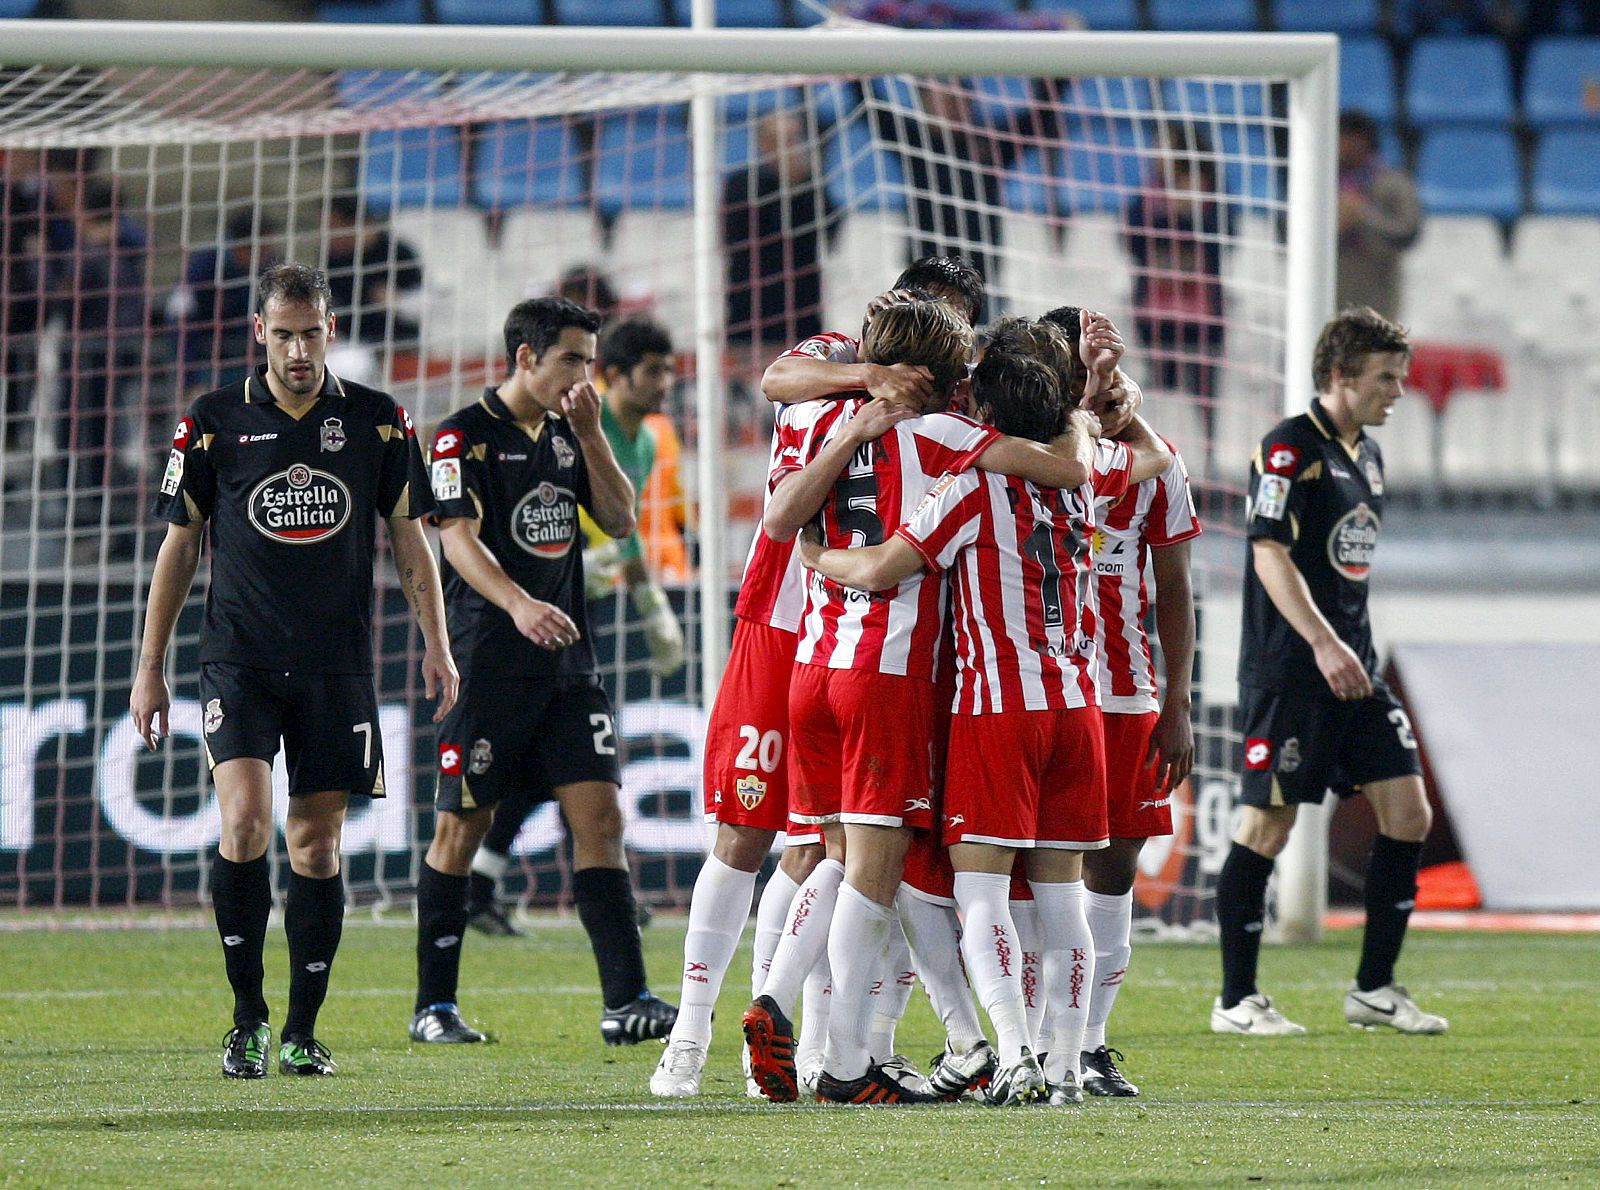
(895, 631)
(830, 347)
(1154, 513)
(1024, 603)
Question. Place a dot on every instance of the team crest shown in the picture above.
(752, 791)
(333, 437)
(481, 758)
(565, 455)
(1289, 755)
(213, 719)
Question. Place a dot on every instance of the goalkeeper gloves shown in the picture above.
(661, 629)
(602, 566)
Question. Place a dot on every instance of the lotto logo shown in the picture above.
(180, 436)
(450, 759)
(446, 444)
(1281, 459)
(1258, 755)
(405, 420)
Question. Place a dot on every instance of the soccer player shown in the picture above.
(1149, 741)
(509, 474)
(634, 358)
(291, 468)
(1316, 715)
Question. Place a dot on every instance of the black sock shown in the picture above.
(606, 908)
(509, 815)
(1391, 895)
(313, 917)
(480, 892)
(241, 895)
(441, 921)
(1241, 916)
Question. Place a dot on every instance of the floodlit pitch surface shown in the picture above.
(109, 1076)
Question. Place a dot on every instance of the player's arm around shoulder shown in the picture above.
(800, 494)
(866, 568)
(1067, 461)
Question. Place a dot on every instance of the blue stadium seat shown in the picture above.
(1562, 85)
(379, 88)
(1111, 97)
(1096, 14)
(1249, 170)
(1218, 97)
(1002, 102)
(526, 163)
(1459, 80)
(642, 161)
(1327, 16)
(860, 173)
(897, 92)
(371, 12)
(1103, 165)
(1566, 173)
(1366, 77)
(1030, 185)
(489, 12)
(17, 10)
(412, 167)
(743, 106)
(1212, 16)
(1470, 171)
(645, 13)
(739, 14)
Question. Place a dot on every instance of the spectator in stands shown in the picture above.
(1174, 230)
(776, 214)
(21, 286)
(209, 312)
(375, 277)
(1379, 218)
(591, 288)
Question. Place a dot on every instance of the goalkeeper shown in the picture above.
(634, 361)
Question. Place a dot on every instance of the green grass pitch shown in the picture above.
(109, 1044)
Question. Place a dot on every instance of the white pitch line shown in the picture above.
(335, 992)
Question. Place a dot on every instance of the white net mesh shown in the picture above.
(139, 203)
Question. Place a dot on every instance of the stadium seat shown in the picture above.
(412, 167)
(372, 12)
(1366, 77)
(1177, 419)
(380, 88)
(1566, 172)
(1470, 171)
(18, 10)
(642, 161)
(1549, 244)
(1215, 97)
(1577, 440)
(870, 246)
(642, 13)
(457, 318)
(860, 173)
(1562, 82)
(1459, 80)
(1098, 272)
(1489, 442)
(526, 163)
(1103, 165)
(738, 14)
(1030, 184)
(1214, 16)
(1096, 14)
(489, 12)
(1003, 102)
(1033, 268)
(1409, 443)
(1249, 169)
(1111, 97)
(1330, 16)
(1452, 277)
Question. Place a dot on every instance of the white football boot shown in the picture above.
(1392, 1007)
(1254, 1015)
(677, 1075)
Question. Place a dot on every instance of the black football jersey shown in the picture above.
(292, 507)
(1323, 500)
(524, 490)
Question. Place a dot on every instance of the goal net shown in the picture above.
(141, 199)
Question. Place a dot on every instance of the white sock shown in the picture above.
(1111, 923)
(994, 957)
(491, 864)
(718, 909)
(815, 1005)
(894, 993)
(1025, 916)
(770, 913)
(935, 936)
(1068, 971)
(856, 943)
(805, 935)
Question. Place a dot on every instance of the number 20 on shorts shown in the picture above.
(763, 751)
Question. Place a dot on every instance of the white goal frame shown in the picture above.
(1308, 61)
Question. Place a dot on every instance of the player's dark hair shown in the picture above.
(928, 334)
(538, 322)
(624, 344)
(1347, 340)
(348, 207)
(942, 275)
(1048, 343)
(1020, 393)
(1358, 123)
(296, 284)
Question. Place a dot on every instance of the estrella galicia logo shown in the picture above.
(545, 521)
(300, 506)
(1352, 542)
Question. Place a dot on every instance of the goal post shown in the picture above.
(423, 119)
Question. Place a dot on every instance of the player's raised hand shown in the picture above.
(910, 385)
(1115, 404)
(151, 706)
(1100, 344)
(875, 419)
(440, 680)
(1342, 669)
(581, 406)
(1171, 749)
(1084, 420)
(889, 297)
(545, 624)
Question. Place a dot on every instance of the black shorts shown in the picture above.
(504, 737)
(1297, 747)
(328, 725)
